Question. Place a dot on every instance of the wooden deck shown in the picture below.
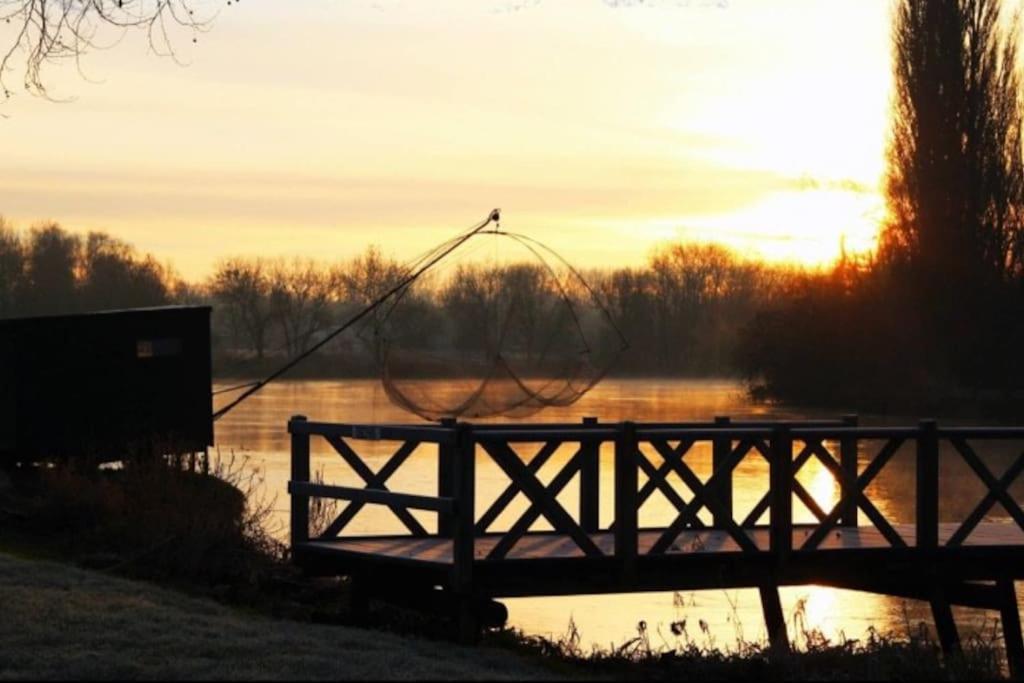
(702, 544)
(542, 546)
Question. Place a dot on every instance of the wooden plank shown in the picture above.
(721, 447)
(376, 496)
(300, 473)
(927, 507)
(775, 622)
(1009, 615)
(848, 462)
(627, 451)
(376, 432)
(464, 527)
(945, 624)
(447, 454)
(781, 489)
(590, 481)
(548, 545)
(542, 433)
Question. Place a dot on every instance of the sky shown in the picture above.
(601, 127)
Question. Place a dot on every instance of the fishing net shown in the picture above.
(501, 325)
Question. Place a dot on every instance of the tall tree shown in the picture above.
(955, 186)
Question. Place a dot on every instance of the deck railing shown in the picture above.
(840, 446)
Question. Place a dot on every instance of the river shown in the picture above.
(256, 432)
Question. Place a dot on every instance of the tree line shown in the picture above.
(935, 318)
(682, 312)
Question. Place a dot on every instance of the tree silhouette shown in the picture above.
(955, 186)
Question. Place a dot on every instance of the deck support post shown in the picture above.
(446, 453)
(1009, 616)
(780, 530)
(848, 464)
(626, 454)
(463, 468)
(721, 449)
(945, 624)
(774, 621)
(928, 485)
(300, 473)
(590, 482)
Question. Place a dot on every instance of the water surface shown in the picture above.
(256, 430)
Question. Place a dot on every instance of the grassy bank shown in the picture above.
(63, 622)
(221, 599)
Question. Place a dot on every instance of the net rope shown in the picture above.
(506, 338)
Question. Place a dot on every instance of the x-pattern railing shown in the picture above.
(658, 452)
(702, 493)
(853, 490)
(373, 480)
(543, 499)
(998, 490)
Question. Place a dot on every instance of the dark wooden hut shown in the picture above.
(105, 384)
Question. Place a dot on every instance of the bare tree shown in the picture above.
(41, 32)
(242, 286)
(301, 293)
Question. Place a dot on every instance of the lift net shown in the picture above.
(503, 326)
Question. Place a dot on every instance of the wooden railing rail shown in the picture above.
(660, 453)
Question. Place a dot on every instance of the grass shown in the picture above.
(201, 536)
(680, 655)
(63, 622)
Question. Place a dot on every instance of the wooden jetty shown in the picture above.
(971, 561)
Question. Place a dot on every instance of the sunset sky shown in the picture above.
(316, 128)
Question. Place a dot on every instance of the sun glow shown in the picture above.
(600, 129)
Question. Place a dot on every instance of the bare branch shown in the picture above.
(45, 32)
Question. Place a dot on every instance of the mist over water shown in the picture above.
(257, 430)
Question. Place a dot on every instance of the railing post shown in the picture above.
(626, 497)
(300, 473)
(928, 485)
(848, 464)
(590, 482)
(780, 477)
(463, 541)
(721, 449)
(463, 469)
(446, 454)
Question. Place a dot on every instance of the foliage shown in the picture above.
(152, 518)
(49, 270)
(682, 655)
